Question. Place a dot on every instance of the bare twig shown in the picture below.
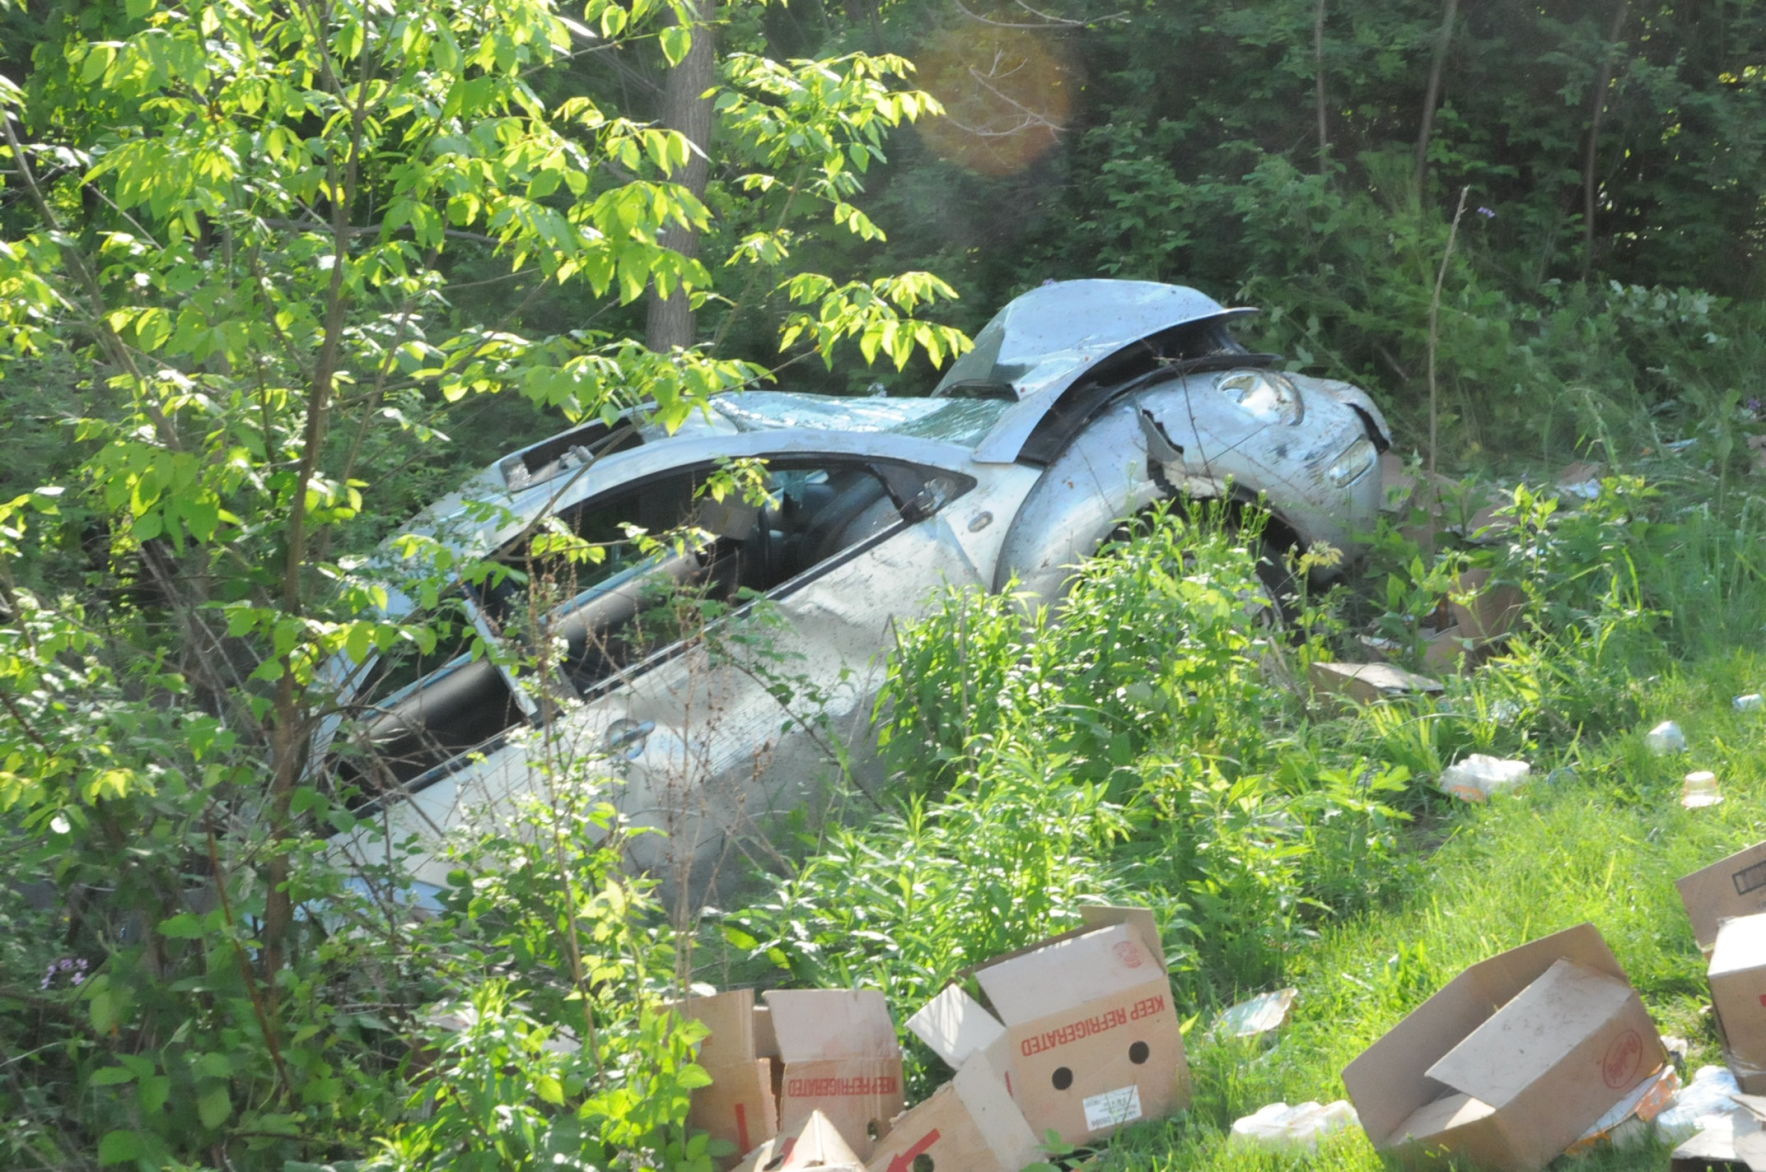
(1435, 328)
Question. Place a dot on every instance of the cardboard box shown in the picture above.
(1726, 903)
(970, 1124)
(1511, 1061)
(1086, 1022)
(817, 1144)
(1481, 610)
(1368, 683)
(1737, 975)
(807, 1050)
(1731, 887)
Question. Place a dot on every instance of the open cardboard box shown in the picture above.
(1726, 903)
(1082, 1032)
(1511, 1061)
(805, 1050)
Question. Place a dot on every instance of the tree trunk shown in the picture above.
(1318, 71)
(1442, 40)
(687, 109)
(1594, 120)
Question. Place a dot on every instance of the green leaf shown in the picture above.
(118, 1146)
(676, 39)
(183, 926)
(214, 1105)
(549, 1089)
(111, 1076)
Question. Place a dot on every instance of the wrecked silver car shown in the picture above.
(1083, 402)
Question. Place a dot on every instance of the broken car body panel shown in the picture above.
(1083, 403)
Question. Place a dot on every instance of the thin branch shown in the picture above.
(1435, 328)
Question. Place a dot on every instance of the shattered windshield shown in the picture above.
(959, 422)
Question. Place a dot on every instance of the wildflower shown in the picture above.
(1487, 213)
(73, 968)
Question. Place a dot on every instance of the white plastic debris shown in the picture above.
(1699, 1104)
(1628, 1121)
(1261, 1014)
(1282, 1127)
(1665, 738)
(1749, 703)
(1477, 776)
(1700, 789)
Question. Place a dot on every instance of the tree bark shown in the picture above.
(1442, 40)
(1594, 119)
(1318, 72)
(687, 108)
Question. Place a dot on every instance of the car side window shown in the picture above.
(585, 619)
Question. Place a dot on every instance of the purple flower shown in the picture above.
(74, 968)
(1487, 213)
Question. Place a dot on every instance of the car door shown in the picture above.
(755, 714)
(711, 684)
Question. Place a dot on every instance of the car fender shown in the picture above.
(1099, 478)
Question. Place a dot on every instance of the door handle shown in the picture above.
(625, 738)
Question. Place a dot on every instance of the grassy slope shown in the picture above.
(1604, 847)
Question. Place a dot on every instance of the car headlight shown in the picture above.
(1269, 397)
(1353, 464)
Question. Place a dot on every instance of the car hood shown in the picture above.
(1045, 340)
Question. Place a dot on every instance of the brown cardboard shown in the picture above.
(1368, 683)
(1086, 1022)
(1735, 886)
(839, 1055)
(738, 1107)
(1494, 1070)
(832, 1051)
(1737, 975)
(1482, 610)
(970, 1124)
(816, 1144)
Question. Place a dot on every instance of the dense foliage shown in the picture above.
(273, 271)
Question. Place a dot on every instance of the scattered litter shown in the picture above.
(1629, 1120)
(1261, 1014)
(1665, 738)
(1679, 445)
(1700, 789)
(1561, 774)
(1368, 683)
(1751, 702)
(1581, 480)
(1698, 1104)
(1283, 1127)
(1728, 1139)
(1477, 776)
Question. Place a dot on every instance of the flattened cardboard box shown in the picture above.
(1510, 1061)
(818, 1144)
(1086, 1018)
(832, 1050)
(1368, 683)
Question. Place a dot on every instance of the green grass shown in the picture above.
(1149, 749)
